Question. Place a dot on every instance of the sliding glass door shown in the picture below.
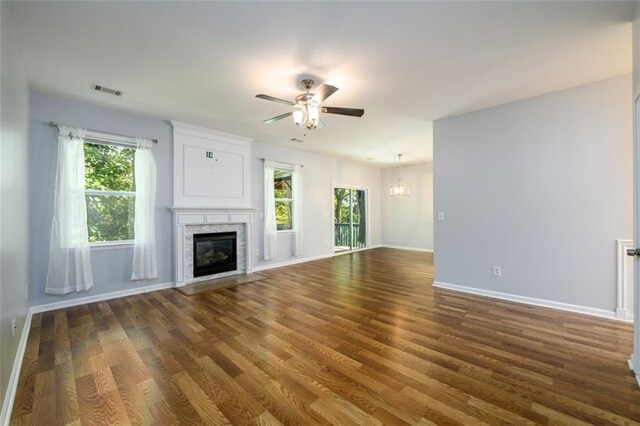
(349, 218)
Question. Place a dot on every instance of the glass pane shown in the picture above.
(108, 167)
(283, 215)
(359, 215)
(282, 184)
(342, 219)
(110, 217)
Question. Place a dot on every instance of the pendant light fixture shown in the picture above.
(399, 189)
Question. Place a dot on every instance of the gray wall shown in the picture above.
(541, 187)
(13, 193)
(319, 175)
(408, 222)
(111, 267)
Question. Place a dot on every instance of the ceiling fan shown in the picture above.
(307, 106)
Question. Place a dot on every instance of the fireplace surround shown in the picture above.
(188, 223)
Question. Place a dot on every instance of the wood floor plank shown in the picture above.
(361, 338)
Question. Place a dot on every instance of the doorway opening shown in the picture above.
(350, 224)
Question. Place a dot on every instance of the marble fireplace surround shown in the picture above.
(190, 221)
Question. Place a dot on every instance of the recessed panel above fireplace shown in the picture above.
(214, 253)
(210, 169)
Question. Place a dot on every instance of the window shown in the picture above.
(284, 199)
(109, 191)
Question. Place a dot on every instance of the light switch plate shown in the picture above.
(440, 215)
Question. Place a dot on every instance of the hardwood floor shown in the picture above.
(354, 339)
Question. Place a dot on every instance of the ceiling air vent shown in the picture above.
(108, 90)
(296, 140)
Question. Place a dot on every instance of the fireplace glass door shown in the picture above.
(214, 253)
(350, 218)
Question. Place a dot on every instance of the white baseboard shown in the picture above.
(307, 259)
(290, 262)
(12, 386)
(342, 253)
(630, 363)
(622, 314)
(407, 248)
(530, 301)
(98, 297)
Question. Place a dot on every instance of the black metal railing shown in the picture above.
(343, 235)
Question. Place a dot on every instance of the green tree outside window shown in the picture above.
(283, 191)
(109, 192)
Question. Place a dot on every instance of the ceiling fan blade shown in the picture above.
(324, 92)
(353, 112)
(278, 117)
(271, 98)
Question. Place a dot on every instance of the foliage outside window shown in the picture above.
(109, 192)
(284, 199)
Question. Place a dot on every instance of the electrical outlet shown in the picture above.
(14, 327)
(497, 271)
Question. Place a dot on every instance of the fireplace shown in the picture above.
(214, 253)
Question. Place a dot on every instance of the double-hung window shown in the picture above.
(283, 192)
(109, 192)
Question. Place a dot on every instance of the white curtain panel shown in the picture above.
(69, 257)
(144, 249)
(296, 181)
(270, 226)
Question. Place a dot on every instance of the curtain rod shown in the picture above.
(54, 124)
(281, 162)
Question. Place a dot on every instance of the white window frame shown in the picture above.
(285, 200)
(104, 245)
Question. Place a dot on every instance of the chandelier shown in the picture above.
(399, 189)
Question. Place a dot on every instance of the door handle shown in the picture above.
(633, 252)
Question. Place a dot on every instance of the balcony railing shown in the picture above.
(342, 239)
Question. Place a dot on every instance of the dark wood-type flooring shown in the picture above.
(355, 339)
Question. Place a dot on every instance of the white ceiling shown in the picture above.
(406, 64)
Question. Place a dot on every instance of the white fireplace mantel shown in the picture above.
(185, 217)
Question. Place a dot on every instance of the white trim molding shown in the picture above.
(602, 313)
(99, 297)
(267, 266)
(12, 386)
(289, 262)
(427, 250)
(630, 364)
(624, 280)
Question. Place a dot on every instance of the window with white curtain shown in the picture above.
(110, 192)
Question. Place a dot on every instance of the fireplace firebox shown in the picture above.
(214, 253)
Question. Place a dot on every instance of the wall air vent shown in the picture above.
(296, 140)
(108, 90)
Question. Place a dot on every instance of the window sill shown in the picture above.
(111, 245)
(286, 231)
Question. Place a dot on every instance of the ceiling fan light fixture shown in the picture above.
(298, 116)
(313, 116)
(308, 106)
